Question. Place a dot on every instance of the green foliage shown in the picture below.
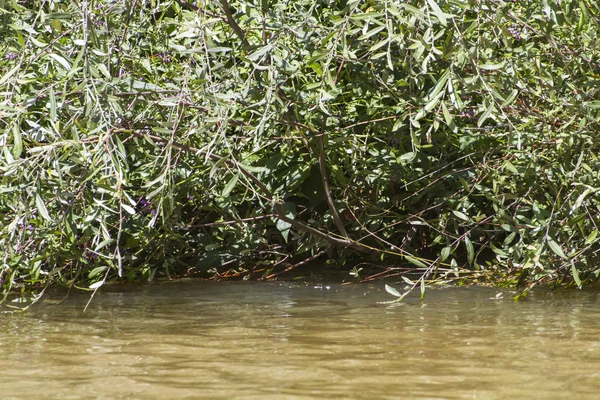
(164, 137)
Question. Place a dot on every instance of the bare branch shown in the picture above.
(234, 25)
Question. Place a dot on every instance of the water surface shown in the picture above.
(282, 340)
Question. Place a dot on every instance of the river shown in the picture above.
(249, 340)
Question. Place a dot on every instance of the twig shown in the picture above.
(236, 28)
(237, 221)
(277, 204)
(291, 267)
(325, 181)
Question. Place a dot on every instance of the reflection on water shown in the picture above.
(272, 341)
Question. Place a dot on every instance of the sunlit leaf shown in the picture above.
(41, 207)
(129, 209)
(415, 261)
(580, 199)
(10, 73)
(470, 250)
(437, 11)
(575, 275)
(392, 291)
(219, 49)
(555, 247)
(594, 104)
(96, 285)
(492, 67)
(486, 114)
(230, 185)
(258, 54)
(17, 141)
(445, 253)
(460, 215)
(591, 237)
(407, 281)
(61, 60)
(372, 32)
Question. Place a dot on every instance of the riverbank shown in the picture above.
(159, 140)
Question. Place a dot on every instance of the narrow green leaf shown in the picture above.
(418, 116)
(379, 45)
(594, 104)
(508, 240)
(407, 157)
(103, 244)
(470, 250)
(437, 11)
(511, 97)
(460, 215)
(219, 49)
(102, 68)
(432, 103)
(422, 288)
(555, 247)
(96, 285)
(491, 108)
(60, 15)
(61, 60)
(75, 67)
(129, 209)
(366, 16)
(42, 208)
(145, 86)
(415, 261)
(392, 291)
(371, 33)
(17, 141)
(38, 43)
(466, 186)
(230, 185)
(580, 199)
(507, 165)
(448, 118)
(260, 53)
(591, 237)
(445, 253)
(413, 10)
(454, 97)
(492, 67)
(120, 147)
(52, 104)
(439, 85)
(508, 228)
(250, 168)
(284, 228)
(97, 271)
(9, 74)
(575, 274)
(408, 281)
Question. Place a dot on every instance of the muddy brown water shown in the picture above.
(295, 341)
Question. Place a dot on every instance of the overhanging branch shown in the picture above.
(232, 23)
(277, 205)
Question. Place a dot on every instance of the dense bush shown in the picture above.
(163, 137)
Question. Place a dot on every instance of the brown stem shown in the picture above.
(236, 28)
(277, 204)
(291, 267)
(323, 167)
(234, 222)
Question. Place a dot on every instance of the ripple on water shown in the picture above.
(262, 341)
